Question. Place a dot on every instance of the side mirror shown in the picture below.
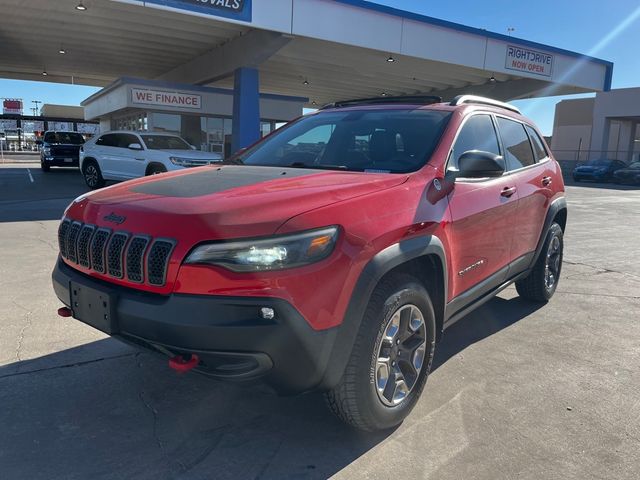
(479, 164)
(134, 146)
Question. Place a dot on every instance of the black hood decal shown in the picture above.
(217, 179)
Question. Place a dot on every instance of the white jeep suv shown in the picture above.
(126, 155)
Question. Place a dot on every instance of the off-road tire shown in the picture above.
(355, 399)
(44, 167)
(533, 287)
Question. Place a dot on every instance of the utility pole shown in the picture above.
(510, 30)
(35, 109)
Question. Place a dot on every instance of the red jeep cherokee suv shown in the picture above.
(329, 256)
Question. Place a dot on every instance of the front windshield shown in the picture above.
(394, 141)
(165, 142)
(68, 138)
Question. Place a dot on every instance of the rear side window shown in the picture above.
(538, 147)
(477, 133)
(518, 151)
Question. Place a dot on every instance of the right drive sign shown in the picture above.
(530, 61)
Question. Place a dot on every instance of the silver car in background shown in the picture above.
(123, 155)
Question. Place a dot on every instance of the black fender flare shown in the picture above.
(382, 263)
(558, 205)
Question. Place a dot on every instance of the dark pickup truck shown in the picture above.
(60, 149)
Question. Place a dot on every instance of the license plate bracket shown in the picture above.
(93, 307)
(68, 160)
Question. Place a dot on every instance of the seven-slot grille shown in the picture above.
(117, 254)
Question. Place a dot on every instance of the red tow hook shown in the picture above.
(181, 364)
(65, 312)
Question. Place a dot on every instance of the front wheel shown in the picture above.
(391, 357)
(92, 175)
(44, 167)
(156, 170)
(541, 283)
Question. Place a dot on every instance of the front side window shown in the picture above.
(477, 133)
(518, 151)
(109, 140)
(390, 141)
(165, 142)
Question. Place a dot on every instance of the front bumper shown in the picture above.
(60, 161)
(627, 180)
(228, 334)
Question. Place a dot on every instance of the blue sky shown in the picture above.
(593, 27)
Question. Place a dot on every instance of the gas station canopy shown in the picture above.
(322, 50)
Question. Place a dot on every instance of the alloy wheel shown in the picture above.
(553, 263)
(400, 355)
(91, 175)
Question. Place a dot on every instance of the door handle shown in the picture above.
(508, 191)
(546, 181)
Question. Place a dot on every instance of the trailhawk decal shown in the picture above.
(473, 266)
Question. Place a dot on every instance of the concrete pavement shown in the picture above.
(518, 390)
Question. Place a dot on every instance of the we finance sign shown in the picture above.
(165, 99)
(236, 9)
(530, 61)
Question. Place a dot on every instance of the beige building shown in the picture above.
(62, 111)
(605, 126)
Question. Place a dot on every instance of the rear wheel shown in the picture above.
(92, 174)
(541, 283)
(391, 357)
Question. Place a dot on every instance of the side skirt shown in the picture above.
(468, 301)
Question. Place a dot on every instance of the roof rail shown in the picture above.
(402, 99)
(462, 99)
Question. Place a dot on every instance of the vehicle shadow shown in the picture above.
(27, 193)
(118, 413)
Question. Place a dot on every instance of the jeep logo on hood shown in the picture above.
(112, 217)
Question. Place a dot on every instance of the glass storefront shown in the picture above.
(136, 122)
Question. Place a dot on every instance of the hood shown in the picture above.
(222, 202)
(590, 168)
(194, 154)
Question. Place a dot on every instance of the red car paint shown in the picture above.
(481, 229)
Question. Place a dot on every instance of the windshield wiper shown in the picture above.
(320, 167)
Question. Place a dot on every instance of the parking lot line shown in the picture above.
(30, 176)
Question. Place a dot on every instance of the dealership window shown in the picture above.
(266, 128)
(167, 122)
(137, 122)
